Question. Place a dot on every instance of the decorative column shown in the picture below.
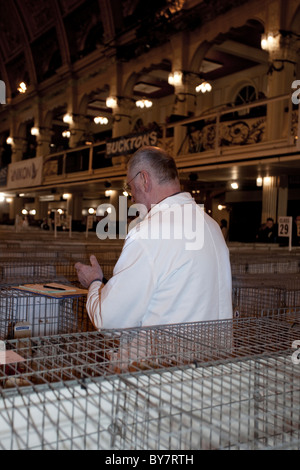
(269, 198)
(283, 57)
(18, 148)
(41, 209)
(74, 207)
(78, 129)
(43, 140)
(121, 125)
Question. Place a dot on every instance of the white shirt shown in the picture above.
(174, 267)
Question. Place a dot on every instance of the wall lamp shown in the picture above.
(114, 101)
(39, 130)
(11, 140)
(22, 88)
(176, 78)
(144, 103)
(101, 120)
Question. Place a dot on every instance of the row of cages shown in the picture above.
(229, 385)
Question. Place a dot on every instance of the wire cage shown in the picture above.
(253, 292)
(15, 271)
(28, 314)
(230, 384)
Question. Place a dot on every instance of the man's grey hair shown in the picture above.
(155, 160)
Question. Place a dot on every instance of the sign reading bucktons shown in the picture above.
(25, 173)
(129, 144)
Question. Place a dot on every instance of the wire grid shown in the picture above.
(264, 262)
(38, 315)
(210, 385)
(253, 292)
(15, 271)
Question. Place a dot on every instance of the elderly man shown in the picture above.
(174, 266)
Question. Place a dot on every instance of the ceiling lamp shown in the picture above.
(101, 120)
(259, 181)
(204, 87)
(175, 78)
(66, 134)
(9, 140)
(68, 118)
(34, 131)
(144, 103)
(268, 41)
(234, 185)
(111, 102)
(22, 88)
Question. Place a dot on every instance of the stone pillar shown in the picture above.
(283, 57)
(121, 127)
(282, 203)
(41, 209)
(74, 207)
(15, 207)
(122, 118)
(269, 198)
(18, 148)
(43, 140)
(78, 130)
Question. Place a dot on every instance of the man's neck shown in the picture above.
(165, 192)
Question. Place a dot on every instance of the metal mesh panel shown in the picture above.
(39, 315)
(210, 385)
(264, 262)
(15, 271)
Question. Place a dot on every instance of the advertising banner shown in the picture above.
(24, 174)
(129, 144)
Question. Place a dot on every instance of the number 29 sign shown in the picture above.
(284, 226)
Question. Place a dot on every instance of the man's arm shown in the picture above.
(123, 301)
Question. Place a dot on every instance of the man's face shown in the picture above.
(269, 223)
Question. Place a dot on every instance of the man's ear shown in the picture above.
(146, 180)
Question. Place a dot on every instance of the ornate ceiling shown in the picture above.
(39, 36)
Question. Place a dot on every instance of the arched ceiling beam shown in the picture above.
(27, 49)
(62, 35)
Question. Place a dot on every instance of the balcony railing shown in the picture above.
(228, 130)
(231, 128)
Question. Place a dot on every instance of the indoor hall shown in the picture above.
(85, 84)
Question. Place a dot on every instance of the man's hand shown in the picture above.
(86, 274)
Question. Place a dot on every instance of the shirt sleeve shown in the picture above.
(123, 301)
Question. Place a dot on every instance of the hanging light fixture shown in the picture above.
(68, 118)
(112, 102)
(35, 131)
(144, 103)
(22, 88)
(175, 78)
(66, 134)
(203, 87)
(101, 120)
(259, 181)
